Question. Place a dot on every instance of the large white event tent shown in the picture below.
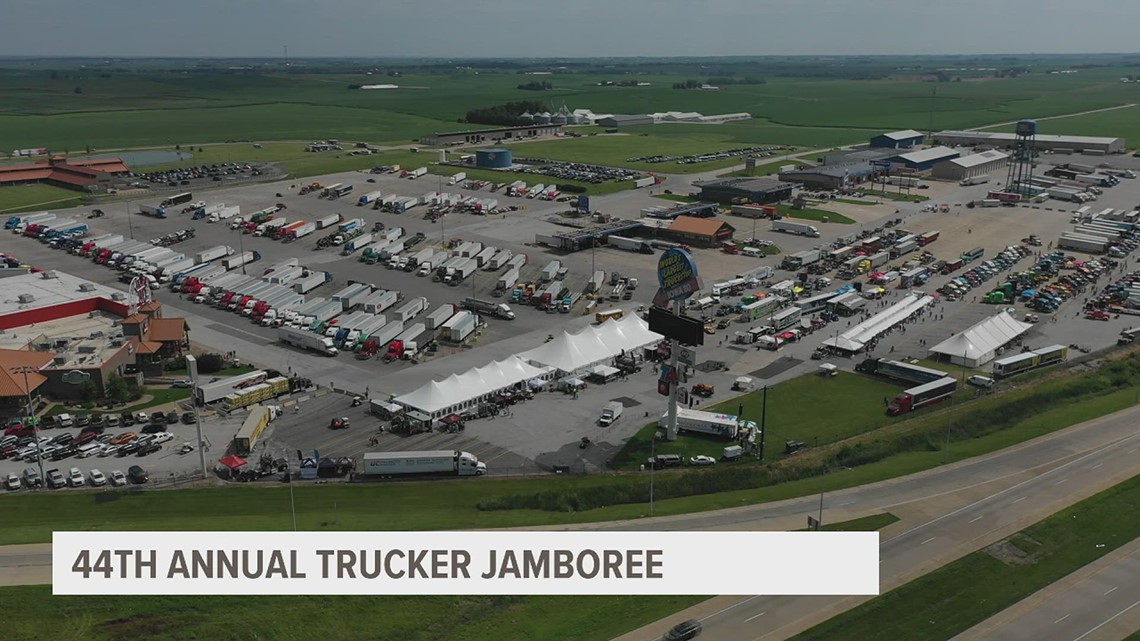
(979, 344)
(459, 392)
(596, 344)
(856, 338)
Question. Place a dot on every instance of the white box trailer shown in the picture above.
(328, 221)
(287, 275)
(722, 425)
(484, 256)
(410, 310)
(379, 301)
(500, 259)
(429, 266)
(508, 280)
(519, 260)
(551, 270)
(439, 316)
(385, 334)
(391, 234)
(306, 284)
(648, 181)
(470, 249)
(307, 340)
(790, 227)
(214, 253)
(460, 326)
(431, 463)
(457, 178)
(353, 295)
(422, 256)
(368, 198)
(224, 213)
(411, 333)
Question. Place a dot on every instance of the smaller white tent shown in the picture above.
(574, 353)
(856, 338)
(979, 344)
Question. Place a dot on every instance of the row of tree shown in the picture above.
(536, 86)
(506, 114)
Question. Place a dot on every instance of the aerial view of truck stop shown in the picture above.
(424, 273)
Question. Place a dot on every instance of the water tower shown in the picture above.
(1024, 152)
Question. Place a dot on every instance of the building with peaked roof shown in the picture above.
(979, 164)
(89, 175)
(829, 176)
(761, 191)
(904, 139)
(20, 376)
(924, 160)
(709, 232)
(624, 120)
(980, 343)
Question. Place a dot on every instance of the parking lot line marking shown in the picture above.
(1061, 619)
(928, 540)
(977, 518)
(1020, 499)
(1111, 590)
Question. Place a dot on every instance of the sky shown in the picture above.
(562, 28)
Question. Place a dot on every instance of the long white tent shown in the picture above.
(459, 392)
(979, 344)
(597, 344)
(856, 338)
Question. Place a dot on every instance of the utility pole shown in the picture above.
(674, 355)
(192, 368)
(25, 370)
(763, 423)
(130, 225)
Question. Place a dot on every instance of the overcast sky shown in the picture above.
(562, 28)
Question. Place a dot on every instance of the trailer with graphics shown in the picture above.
(899, 371)
(423, 463)
(1031, 360)
(923, 395)
(726, 426)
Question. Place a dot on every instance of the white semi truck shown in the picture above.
(429, 462)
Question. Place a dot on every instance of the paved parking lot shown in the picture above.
(528, 439)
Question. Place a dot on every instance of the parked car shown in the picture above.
(13, 483)
(125, 437)
(163, 437)
(137, 475)
(148, 448)
(75, 478)
(183, 384)
(55, 479)
(701, 459)
(188, 418)
(127, 419)
(118, 479)
(171, 418)
(154, 428)
(97, 478)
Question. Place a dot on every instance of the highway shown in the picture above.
(946, 513)
(1096, 603)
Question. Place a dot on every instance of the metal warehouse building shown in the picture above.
(865, 156)
(925, 159)
(1042, 141)
(440, 139)
(753, 190)
(828, 176)
(970, 166)
(904, 139)
(624, 120)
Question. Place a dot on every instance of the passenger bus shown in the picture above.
(973, 254)
(177, 200)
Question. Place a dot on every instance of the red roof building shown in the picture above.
(80, 174)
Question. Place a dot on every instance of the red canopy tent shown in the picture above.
(233, 461)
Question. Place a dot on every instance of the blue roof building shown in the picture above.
(904, 139)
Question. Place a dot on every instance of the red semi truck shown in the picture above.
(922, 396)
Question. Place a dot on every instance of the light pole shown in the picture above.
(25, 370)
(192, 367)
(130, 225)
(652, 466)
(241, 247)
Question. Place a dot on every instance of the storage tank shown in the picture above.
(494, 158)
(542, 118)
(558, 119)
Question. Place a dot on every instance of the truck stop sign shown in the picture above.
(677, 274)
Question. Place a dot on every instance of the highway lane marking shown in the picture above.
(1100, 450)
(1060, 482)
(723, 610)
(1061, 619)
(976, 519)
(928, 540)
(1111, 590)
(755, 617)
(1107, 621)
(1020, 499)
(1133, 450)
(1097, 465)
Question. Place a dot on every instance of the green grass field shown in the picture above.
(958, 596)
(814, 214)
(18, 198)
(792, 415)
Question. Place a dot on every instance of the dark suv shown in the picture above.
(684, 631)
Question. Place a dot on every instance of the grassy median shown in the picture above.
(968, 591)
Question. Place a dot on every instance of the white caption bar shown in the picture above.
(466, 563)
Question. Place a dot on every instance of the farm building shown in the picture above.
(752, 190)
(440, 139)
(89, 175)
(904, 139)
(829, 176)
(1042, 141)
(708, 232)
(971, 166)
(624, 120)
(925, 159)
